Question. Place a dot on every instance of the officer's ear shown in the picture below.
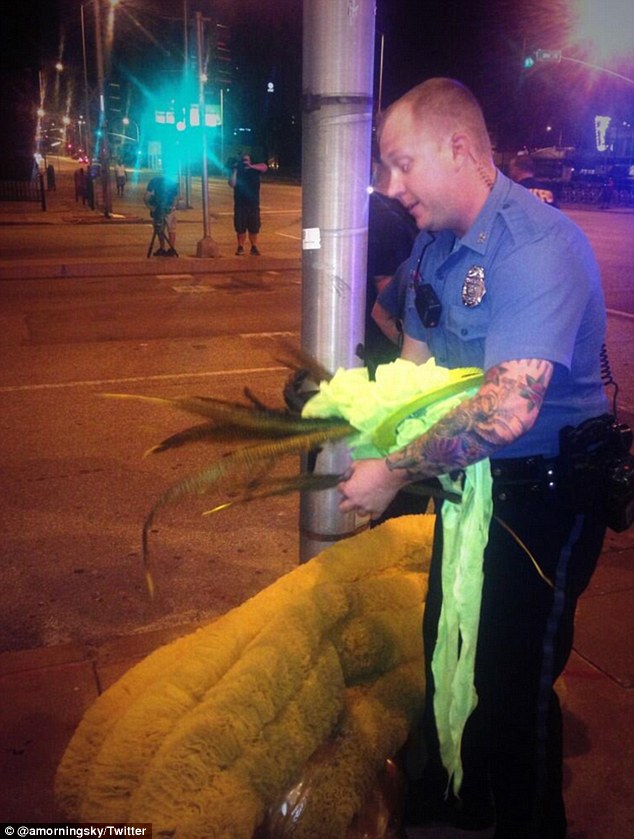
(460, 148)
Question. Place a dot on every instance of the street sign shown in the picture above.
(548, 55)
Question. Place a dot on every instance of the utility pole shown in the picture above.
(187, 103)
(338, 75)
(104, 146)
(88, 137)
(206, 247)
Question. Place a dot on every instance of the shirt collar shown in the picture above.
(478, 235)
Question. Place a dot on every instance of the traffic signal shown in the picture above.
(541, 56)
(222, 64)
(113, 101)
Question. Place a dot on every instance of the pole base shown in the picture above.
(207, 248)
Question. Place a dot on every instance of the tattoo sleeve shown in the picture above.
(505, 407)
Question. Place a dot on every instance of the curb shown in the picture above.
(68, 217)
(77, 269)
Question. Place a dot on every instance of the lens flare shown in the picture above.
(605, 28)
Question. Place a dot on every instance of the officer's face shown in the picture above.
(419, 168)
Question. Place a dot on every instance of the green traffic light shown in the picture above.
(529, 61)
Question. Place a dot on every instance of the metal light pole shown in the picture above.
(40, 116)
(187, 103)
(338, 46)
(206, 247)
(88, 138)
(104, 146)
(222, 127)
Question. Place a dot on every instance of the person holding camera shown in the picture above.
(160, 196)
(509, 285)
(245, 182)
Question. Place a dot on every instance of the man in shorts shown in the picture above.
(245, 182)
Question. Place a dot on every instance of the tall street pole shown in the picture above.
(206, 247)
(104, 146)
(338, 64)
(88, 137)
(187, 103)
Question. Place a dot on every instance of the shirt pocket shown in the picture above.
(468, 324)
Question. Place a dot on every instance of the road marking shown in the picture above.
(213, 374)
(264, 212)
(192, 289)
(288, 235)
(265, 334)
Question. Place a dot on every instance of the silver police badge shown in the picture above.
(473, 288)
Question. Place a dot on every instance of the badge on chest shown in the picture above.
(473, 288)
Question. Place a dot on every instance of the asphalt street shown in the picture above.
(84, 312)
(76, 484)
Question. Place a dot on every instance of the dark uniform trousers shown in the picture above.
(512, 744)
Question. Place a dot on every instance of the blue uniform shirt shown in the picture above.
(541, 297)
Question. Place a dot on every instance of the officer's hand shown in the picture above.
(369, 486)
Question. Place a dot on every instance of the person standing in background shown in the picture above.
(160, 197)
(121, 177)
(522, 171)
(245, 182)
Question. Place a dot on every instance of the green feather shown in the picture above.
(210, 432)
(297, 359)
(305, 482)
(253, 459)
(268, 422)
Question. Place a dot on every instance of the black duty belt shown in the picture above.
(526, 478)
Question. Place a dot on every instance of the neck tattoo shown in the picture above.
(486, 177)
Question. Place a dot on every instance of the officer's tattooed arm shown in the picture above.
(505, 407)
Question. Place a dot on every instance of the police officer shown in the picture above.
(513, 287)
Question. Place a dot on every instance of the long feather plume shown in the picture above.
(225, 433)
(313, 482)
(297, 359)
(268, 422)
(206, 432)
(304, 482)
(250, 458)
(271, 434)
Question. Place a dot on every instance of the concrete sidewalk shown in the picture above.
(45, 692)
(65, 214)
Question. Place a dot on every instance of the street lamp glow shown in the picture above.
(605, 26)
(126, 121)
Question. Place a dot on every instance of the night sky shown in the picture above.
(480, 42)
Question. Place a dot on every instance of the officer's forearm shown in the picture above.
(504, 408)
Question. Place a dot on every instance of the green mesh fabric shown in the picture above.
(403, 402)
(465, 535)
